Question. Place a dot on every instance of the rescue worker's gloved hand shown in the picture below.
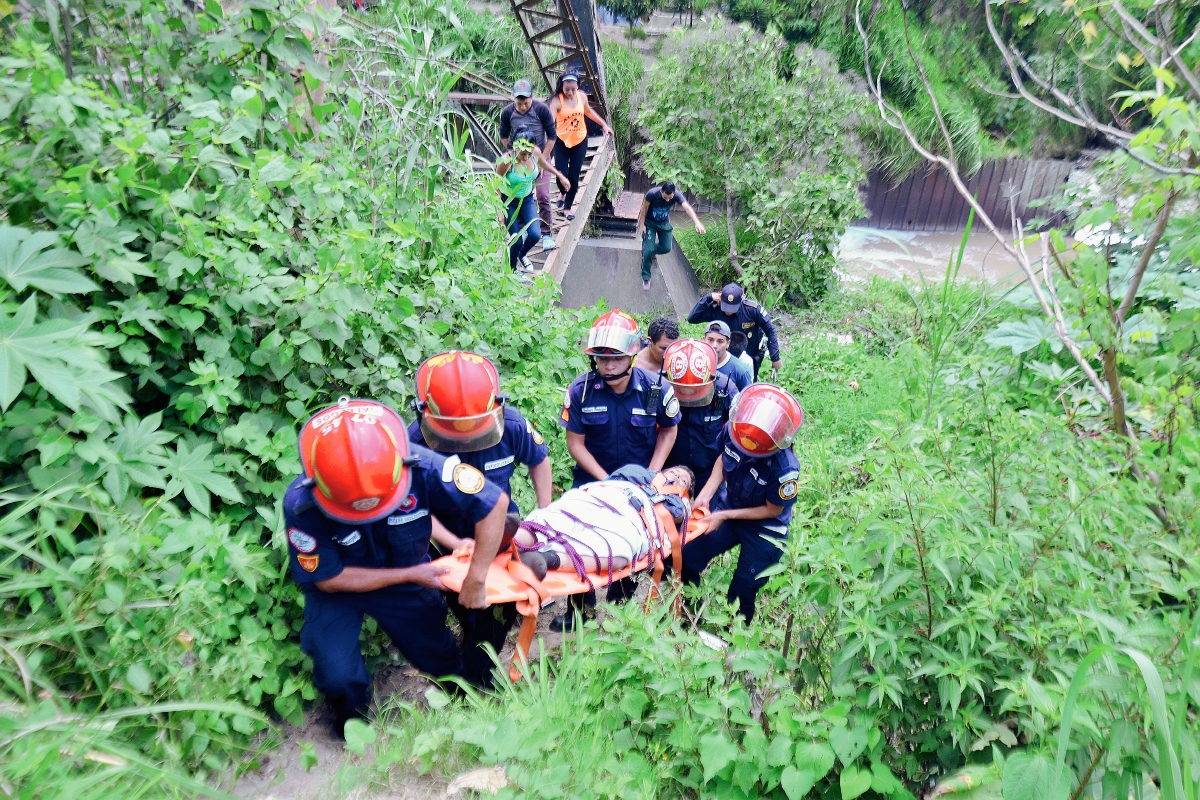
(632, 473)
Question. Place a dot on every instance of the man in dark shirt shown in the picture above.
(730, 306)
(535, 119)
(654, 221)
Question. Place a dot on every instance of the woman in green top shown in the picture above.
(520, 169)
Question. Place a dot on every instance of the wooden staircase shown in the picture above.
(568, 232)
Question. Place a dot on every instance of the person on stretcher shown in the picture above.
(605, 525)
(601, 526)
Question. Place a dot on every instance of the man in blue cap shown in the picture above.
(534, 119)
(731, 307)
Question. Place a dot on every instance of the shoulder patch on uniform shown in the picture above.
(787, 490)
(751, 303)
(789, 476)
(672, 408)
(467, 479)
(448, 468)
(301, 540)
(537, 437)
(309, 563)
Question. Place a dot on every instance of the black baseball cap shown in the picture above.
(731, 298)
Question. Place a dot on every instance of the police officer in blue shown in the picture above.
(705, 396)
(616, 414)
(754, 506)
(358, 526)
(461, 412)
(731, 307)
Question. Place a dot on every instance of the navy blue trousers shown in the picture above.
(760, 549)
(414, 620)
(482, 625)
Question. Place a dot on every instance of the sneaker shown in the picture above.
(645, 286)
(548, 243)
(570, 216)
(527, 265)
(559, 204)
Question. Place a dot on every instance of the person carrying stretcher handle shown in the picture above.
(754, 506)
(358, 522)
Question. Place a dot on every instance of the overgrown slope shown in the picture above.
(211, 231)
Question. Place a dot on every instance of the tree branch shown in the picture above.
(895, 119)
(1076, 116)
(1160, 227)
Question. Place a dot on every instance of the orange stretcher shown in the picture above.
(510, 581)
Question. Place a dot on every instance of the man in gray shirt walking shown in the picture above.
(524, 115)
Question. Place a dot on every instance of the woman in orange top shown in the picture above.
(570, 106)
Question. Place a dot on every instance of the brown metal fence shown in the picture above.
(928, 201)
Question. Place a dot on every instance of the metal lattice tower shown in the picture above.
(560, 43)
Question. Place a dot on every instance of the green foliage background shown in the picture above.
(207, 237)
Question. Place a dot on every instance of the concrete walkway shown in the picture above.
(610, 268)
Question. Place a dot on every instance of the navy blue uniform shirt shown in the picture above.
(520, 444)
(751, 319)
(737, 371)
(319, 548)
(752, 482)
(696, 445)
(617, 429)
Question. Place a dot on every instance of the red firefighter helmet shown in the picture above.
(459, 402)
(764, 419)
(355, 454)
(614, 334)
(690, 366)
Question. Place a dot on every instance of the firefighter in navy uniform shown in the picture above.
(615, 414)
(705, 396)
(731, 307)
(753, 507)
(462, 414)
(358, 526)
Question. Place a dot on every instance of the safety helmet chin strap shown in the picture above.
(611, 378)
(615, 378)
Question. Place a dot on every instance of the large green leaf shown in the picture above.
(715, 752)
(34, 259)
(55, 354)
(192, 472)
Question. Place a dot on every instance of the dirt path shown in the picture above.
(281, 775)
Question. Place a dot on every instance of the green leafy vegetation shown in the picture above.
(975, 592)
(722, 122)
(950, 44)
(217, 221)
(212, 229)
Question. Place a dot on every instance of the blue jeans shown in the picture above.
(414, 620)
(522, 216)
(649, 248)
(759, 550)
